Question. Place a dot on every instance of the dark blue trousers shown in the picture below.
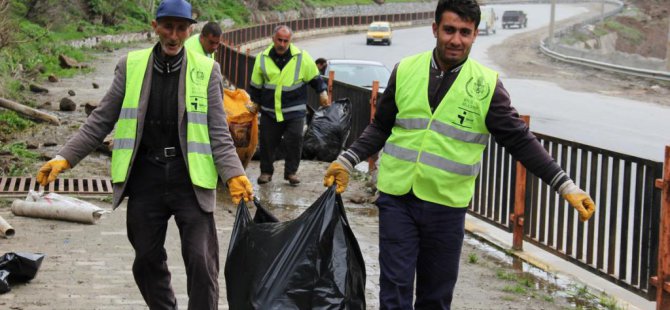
(422, 238)
(158, 191)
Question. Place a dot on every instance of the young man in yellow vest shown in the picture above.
(171, 144)
(279, 85)
(433, 123)
(207, 42)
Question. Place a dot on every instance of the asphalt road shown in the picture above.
(631, 127)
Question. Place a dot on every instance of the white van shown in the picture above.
(487, 23)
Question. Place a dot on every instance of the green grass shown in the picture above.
(629, 33)
(504, 275)
(328, 3)
(473, 258)
(221, 9)
(11, 122)
(23, 159)
(609, 303)
(516, 289)
(19, 150)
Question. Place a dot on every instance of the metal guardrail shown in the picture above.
(651, 74)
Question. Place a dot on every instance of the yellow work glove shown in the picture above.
(578, 199)
(49, 171)
(240, 188)
(338, 172)
(323, 99)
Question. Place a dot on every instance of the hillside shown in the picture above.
(641, 29)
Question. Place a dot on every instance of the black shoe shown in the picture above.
(292, 179)
(264, 178)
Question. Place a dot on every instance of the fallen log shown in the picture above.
(28, 111)
(6, 230)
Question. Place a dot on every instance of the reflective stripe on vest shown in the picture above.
(200, 162)
(199, 152)
(437, 155)
(126, 126)
(281, 80)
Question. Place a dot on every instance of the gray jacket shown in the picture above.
(101, 122)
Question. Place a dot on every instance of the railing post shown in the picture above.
(230, 62)
(373, 108)
(517, 217)
(662, 278)
(331, 77)
(237, 67)
(246, 69)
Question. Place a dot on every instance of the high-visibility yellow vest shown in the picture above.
(267, 76)
(199, 152)
(193, 44)
(437, 155)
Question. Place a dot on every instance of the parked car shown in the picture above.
(514, 18)
(359, 72)
(487, 23)
(379, 32)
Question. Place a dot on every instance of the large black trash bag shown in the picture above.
(311, 262)
(4, 283)
(328, 131)
(18, 267)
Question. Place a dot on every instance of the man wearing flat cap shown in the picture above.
(171, 145)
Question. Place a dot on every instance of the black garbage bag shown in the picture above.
(18, 267)
(4, 282)
(328, 131)
(311, 262)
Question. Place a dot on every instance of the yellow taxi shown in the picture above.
(379, 32)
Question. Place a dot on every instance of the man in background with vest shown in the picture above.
(433, 122)
(279, 85)
(171, 144)
(207, 42)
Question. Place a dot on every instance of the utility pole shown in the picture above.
(602, 11)
(667, 49)
(551, 22)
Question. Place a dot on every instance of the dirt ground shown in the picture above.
(89, 266)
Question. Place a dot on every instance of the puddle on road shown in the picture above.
(577, 295)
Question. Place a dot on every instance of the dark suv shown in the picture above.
(514, 18)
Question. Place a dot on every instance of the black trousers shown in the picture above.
(157, 191)
(422, 238)
(270, 136)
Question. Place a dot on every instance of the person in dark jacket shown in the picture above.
(321, 64)
(171, 145)
(279, 85)
(433, 122)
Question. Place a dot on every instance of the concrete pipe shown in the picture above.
(6, 230)
(81, 213)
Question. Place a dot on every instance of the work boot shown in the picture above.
(292, 179)
(264, 178)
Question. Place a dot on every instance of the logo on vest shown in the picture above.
(478, 88)
(198, 104)
(197, 76)
(467, 114)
